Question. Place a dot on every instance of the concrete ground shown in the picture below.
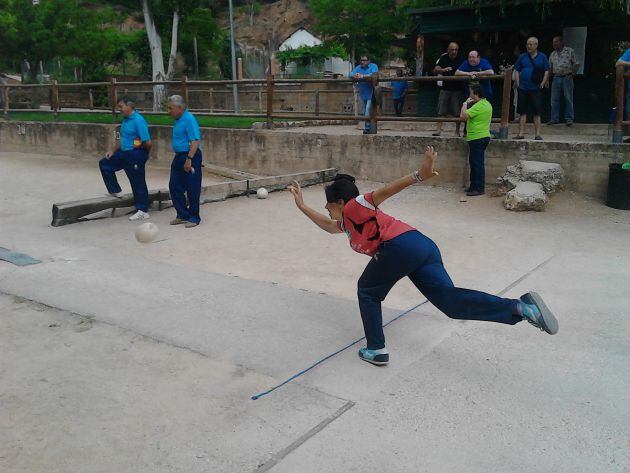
(118, 356)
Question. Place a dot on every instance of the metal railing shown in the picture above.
(271, 88)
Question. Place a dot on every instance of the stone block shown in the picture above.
(549, 175)
(526, 196)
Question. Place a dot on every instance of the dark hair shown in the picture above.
(343, 188)
(127, 101)
(475, 88)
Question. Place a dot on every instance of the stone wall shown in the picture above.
(375, 157)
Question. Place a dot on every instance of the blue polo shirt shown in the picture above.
(399, 89)
(483, 65)
(525, 68)
(133, 127)
(185, 130)
(365, 88)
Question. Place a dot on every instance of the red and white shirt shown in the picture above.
(367, 226)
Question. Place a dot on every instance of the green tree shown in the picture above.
(364, 27)
(58, 29)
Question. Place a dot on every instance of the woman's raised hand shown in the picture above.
(426, 170)
(296, 190)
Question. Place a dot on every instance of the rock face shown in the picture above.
(549, 175)
(526, 196)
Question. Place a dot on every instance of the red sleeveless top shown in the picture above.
(367, 226)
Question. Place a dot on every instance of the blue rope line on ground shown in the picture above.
(297, 375)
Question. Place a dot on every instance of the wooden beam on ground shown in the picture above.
(229, 173)
(65, 213)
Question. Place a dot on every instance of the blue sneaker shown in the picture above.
(376, 357)
(536, 312)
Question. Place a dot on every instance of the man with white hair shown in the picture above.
(185, 181)
(532, 76)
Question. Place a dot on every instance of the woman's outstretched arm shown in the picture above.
(323, 222)
(425, 172)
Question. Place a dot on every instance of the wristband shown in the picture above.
(417, 177)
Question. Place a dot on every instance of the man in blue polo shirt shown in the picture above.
(476, 67)
(531, 77)
(364, 70)
(185, 182)
(131, 154)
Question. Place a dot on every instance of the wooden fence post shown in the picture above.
(91, 98)
(374, 108)
(5, 100)
(211, 99)
(269, 101)
(317, 102)
(113, 97)
(504, 131)
(185, 89)
(54, 99)
(619, 89)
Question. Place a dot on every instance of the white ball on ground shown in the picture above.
(146, 232)
(262, 193)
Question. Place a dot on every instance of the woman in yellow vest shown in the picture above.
(477, 112)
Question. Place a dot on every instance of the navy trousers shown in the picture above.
(184, 185)
(133, 163)
(416, 256)
(476, 159)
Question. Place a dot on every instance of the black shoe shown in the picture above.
(474, 193)
(569, 123)
(552, 123)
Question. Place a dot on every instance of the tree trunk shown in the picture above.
(157, 59)
(173, 55)
(250, 5)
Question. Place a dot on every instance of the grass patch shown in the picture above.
(211, 122)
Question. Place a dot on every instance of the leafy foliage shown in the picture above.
(305, 55)
(362, 27)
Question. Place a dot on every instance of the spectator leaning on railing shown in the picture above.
(476, 67)
(364, 70)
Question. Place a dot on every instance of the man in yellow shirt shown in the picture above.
(477, 112)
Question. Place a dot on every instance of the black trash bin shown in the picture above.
(618, 187)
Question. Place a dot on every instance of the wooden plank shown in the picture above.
(65, 213)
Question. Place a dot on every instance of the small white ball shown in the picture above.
(146, 232)
(262, 193)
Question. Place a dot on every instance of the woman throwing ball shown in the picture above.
(398, 250)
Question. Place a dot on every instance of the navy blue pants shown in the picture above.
(133, 163)
(184, 185)
(476, 159)
(414, 255)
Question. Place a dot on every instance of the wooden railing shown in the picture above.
(271, 88)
